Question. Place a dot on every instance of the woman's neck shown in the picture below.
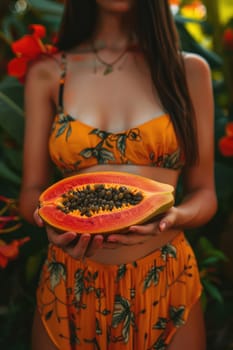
(113, 30)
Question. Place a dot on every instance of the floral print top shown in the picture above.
(75, 145)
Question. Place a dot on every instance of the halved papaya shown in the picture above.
(103, 202)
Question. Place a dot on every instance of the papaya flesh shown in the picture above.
(103, 202)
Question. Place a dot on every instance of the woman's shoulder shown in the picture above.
(196, 67)
(198, 73)
(45, 68)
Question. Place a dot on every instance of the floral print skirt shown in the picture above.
(133, 306)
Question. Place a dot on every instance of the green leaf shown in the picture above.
(212, 290)
(189, 44)
(212, 260)
(32, 265)
(203, 300)
(13, 157)
(9, 175)
(12, 22)
(47, 6)
(205, 244)
(11, 118)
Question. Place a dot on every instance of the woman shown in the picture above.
(124, 98)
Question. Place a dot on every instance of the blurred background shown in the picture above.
(206, 28)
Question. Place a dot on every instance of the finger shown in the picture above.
(38, 219)
(78, 249)
(60, 239)
(148, 229)
(95, 244)
(168, 220)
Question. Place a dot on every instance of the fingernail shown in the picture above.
(162, 226)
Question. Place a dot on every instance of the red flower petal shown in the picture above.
(229, 129)
(28, 46)
(226, 146)
(38, 30)
(10, 251)
(17, 67)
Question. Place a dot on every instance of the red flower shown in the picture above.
(9, 252)
(228, 38)
(226, 142)
(27, 49)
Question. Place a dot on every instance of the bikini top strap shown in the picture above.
(63, 65)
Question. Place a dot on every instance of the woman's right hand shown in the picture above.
(75, 245)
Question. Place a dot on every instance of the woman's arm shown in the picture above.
(41, 90)
(39, 110)
(199, 203)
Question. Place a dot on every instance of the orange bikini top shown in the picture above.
(74, 145)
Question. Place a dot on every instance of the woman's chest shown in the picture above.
(116, 101)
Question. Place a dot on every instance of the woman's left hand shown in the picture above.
(139, 234)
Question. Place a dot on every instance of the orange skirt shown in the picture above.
(133, 306)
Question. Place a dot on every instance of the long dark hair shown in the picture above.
(158, 37)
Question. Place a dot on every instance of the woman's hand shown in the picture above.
(86, 245)
(139, 234)
(77, 246)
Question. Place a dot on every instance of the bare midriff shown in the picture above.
(112, 253)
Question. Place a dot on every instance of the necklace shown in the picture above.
(109, 66)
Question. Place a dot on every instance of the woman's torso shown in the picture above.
(120, 116)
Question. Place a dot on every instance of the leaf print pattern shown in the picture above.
(104, 307)
(152, 277)
(65, 126)
(161, 323)
(121, 144)
(170, 161)
(121, 272)
(57, 272)
(167, 251)
(109, 148)
(68, 168)
(123, 315)
(176, 315)
(103, 155)
(73, 333)
(102, 152)
(134, 135)
(160, 345)
(79, 284)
